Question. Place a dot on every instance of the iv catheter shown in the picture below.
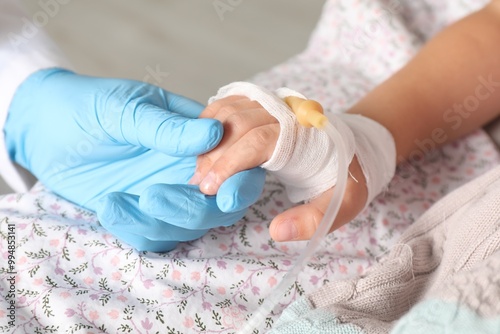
(309, 114)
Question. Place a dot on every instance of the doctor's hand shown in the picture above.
(250, 136)
(126, 150)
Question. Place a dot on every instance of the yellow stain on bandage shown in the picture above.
(309, 112)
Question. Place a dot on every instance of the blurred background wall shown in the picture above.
(191, 47)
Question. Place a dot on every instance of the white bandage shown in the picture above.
(305, 160)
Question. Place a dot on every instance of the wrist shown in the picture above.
(356, 194)
(375, 152)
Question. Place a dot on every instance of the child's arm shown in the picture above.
(449, 89)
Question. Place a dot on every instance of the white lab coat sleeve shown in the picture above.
(24, 49)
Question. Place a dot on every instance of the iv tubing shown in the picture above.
(271, 301)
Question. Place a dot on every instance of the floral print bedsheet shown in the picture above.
(74, 277)
(66, 274)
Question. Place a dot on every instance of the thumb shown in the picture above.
(300, 222)
(169, 132)
(186, 207)
(241, 190)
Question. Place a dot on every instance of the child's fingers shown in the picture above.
(253, 149)
(300, 222)
(236, 126)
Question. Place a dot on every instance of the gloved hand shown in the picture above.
(126, 150)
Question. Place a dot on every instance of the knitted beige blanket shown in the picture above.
(442, 277)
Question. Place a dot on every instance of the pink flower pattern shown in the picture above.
(73, 276)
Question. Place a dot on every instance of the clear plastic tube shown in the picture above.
(259, 317)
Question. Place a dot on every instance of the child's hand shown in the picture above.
(250, 136)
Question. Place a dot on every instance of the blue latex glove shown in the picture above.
(126, 150)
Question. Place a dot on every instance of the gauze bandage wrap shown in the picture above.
(305, 160)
